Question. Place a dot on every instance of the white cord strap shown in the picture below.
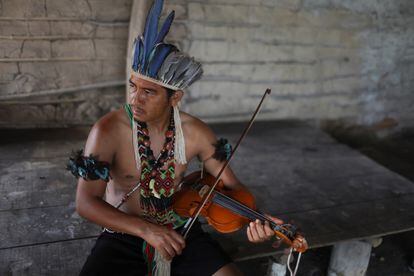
(293, 273)
(135, 145)
(179, 150)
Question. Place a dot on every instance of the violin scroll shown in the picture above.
(288, 233)
(300, 244)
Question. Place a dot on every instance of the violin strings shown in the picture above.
(251, 214)
(232, 207)
(246, 209)
(255, 213)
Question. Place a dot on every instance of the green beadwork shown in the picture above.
(151, 189)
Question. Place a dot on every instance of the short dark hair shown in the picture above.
(170, 92)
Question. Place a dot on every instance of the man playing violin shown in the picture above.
(134, 159)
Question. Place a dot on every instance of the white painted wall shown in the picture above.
(323, 59)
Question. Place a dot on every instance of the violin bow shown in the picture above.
(190, 222)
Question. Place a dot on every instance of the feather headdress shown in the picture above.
(160, 62)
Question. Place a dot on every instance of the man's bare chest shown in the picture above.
(125, 171)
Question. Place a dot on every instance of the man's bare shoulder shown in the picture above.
(111, 123)
(196, 128)
(106, 131)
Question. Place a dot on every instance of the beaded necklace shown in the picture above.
(156, 181)
(157, 175)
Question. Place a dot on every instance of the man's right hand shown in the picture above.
(167, 241)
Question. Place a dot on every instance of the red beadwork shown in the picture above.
(166, 160)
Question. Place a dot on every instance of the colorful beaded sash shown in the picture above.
(157, 176)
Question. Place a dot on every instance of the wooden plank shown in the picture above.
(26, 137)
(295, 171)
(32, 167)
(34, 189)
(362, 220)
(325, 227)
(61, 222)
(276, 132)
(60, 258)
(39, 225)
(36, 184)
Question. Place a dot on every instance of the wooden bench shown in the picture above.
(296, 171)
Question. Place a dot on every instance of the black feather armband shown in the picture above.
(223, 150)
(89, 168)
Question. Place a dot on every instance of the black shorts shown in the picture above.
(121, 254)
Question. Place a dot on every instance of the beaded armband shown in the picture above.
(89, 168)
(223, 150)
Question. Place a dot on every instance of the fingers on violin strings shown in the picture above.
(252, 233)
(268, 230)
(261, 231)
(249, 234)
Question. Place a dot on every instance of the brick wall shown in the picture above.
(323, 59)
(61, 62)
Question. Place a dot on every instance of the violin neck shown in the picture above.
(240, 209)
(287, 230)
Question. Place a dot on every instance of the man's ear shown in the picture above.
(176, 97)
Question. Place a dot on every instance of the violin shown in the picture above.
(228, 210)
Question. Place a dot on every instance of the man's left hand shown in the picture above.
(260, 232)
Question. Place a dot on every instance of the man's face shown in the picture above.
(149, 101)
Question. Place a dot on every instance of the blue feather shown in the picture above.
(151, 29)
(165, 27)
(157, 57)
(138, 53)
(135, 60)
(141, 51)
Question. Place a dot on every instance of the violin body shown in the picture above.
(227, 210)
(190, 196)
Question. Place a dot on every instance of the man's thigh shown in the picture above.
(121, 254)
(201, 256)
(115, 254)
(228, 270)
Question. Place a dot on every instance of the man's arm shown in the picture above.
(90, 204)
(205, 148)
(89, 197)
